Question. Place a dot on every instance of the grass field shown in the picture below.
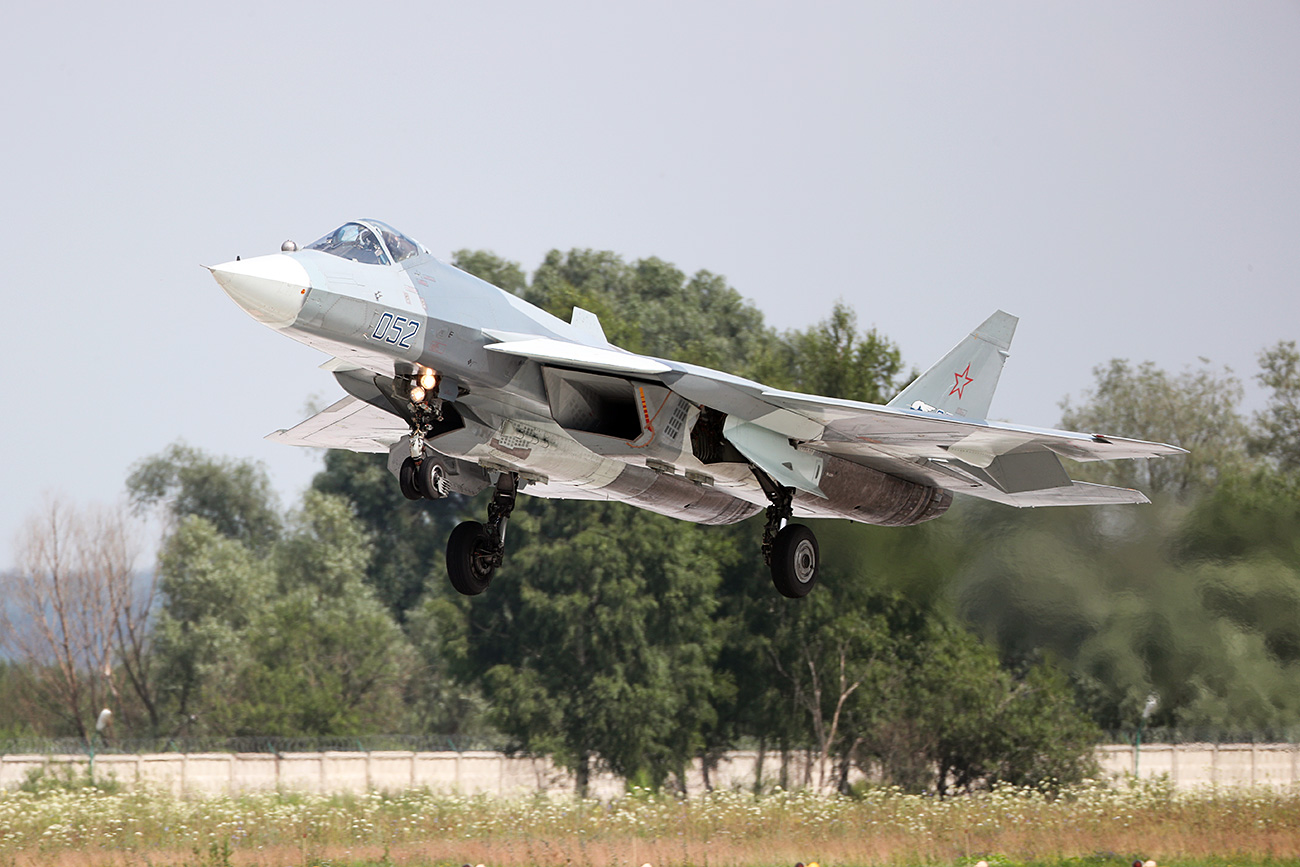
(1092, 824)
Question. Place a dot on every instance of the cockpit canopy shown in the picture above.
(369, 242)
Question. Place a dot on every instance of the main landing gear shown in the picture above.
(474, 550)
(789, 550)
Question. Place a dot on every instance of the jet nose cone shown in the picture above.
(270, 288)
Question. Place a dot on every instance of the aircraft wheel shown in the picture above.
(408, 477)
(469, 558)
(431, 480)
(794, 561)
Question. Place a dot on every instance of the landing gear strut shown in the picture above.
(419, 478)
(474, 550)
(789, 550)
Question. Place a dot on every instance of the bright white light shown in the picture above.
(429, 380)
(417, 394)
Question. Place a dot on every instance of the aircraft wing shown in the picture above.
(782, 431)
(350, 424)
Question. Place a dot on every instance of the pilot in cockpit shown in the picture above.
(368, 247)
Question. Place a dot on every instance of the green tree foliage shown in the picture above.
(1130, 602)
(650, 306)
(234, 496)
(324, 656)
(407, 538)
(904, 693)
(1278, 426)
(1252, 515)
(1195, 409)
(19, 718)
(597, 645)
(290, 643)
(832, 358)
(213, 587)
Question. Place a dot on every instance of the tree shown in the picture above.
(292, 644)
(1277, 433)
(407, 538)
(326, 636)
(76, 603)
(234, 496)
(651, 307)
(828, 656)
(1141, 601)
(19, 717)
(213, 589)
(1195, 409)
(596, 645)
(900, 690)
(833, 359)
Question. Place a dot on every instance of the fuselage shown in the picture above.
(608, 433)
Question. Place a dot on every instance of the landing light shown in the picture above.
(417, 394)
(428, 380)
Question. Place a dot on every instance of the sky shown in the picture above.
(1124, 177)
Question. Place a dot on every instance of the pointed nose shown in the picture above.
(271, 289)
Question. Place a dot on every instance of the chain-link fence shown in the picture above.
(277, 745)
(464, 743)
(1202, 735)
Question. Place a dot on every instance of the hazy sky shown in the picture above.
(1125, 177)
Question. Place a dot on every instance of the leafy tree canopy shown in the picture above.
(1195, 409)
(234, 496)
(1278, 426)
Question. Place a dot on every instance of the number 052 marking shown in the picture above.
(397, 330)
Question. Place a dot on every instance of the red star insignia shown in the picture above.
(961, 386)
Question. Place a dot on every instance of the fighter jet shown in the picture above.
(467, 388)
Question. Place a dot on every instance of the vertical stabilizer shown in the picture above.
(586, 321)
(963, 382)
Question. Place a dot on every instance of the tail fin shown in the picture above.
(963, 381)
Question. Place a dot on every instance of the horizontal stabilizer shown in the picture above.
(1018, 472)
(1077, 494)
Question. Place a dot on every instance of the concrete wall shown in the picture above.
(472, 773)
(1189, 765)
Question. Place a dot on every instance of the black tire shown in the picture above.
(408, 477)
(795, 561)
(468, 553)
